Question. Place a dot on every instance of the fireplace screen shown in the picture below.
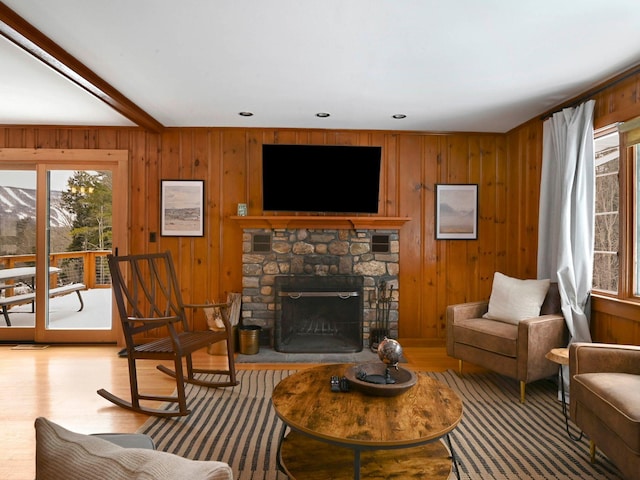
(318, 314)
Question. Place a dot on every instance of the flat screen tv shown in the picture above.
(320, 178)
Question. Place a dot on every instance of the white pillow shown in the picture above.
(513, 299)
(62, 454)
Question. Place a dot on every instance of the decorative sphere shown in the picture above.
(390, 351)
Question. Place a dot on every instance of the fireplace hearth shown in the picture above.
(318, 314)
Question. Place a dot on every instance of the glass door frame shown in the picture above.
(42, 161)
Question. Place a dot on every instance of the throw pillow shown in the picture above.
(513, 299)
(61, 453)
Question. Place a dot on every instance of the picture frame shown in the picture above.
(182, 208)
(456, 211)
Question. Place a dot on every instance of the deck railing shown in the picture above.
(88, 267)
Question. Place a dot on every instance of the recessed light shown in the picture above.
(399, 116)
(323, 114)
(245, 114)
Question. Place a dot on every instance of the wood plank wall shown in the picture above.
(433, 274)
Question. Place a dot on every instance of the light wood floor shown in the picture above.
(60, 383)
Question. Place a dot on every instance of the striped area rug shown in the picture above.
(498, 438)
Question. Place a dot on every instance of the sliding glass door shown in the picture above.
(58, 222)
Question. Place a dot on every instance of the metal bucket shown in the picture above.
(249, 339)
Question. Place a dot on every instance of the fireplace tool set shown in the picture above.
(380, 328)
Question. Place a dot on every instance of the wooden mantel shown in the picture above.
(320, 221)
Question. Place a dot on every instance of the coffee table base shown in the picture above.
(304, 458)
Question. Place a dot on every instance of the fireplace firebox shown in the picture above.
(318, 314)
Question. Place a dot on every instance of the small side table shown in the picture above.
(561, 357)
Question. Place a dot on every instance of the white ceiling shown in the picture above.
(449, 65)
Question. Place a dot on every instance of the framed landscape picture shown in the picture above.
(456, 212)
(182, 208)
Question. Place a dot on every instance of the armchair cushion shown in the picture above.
(604, 403)
(615, 397)
(489, 335)
(61, 453)
(513, 299)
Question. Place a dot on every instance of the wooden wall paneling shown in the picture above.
(618, 103)
(21, 137)
(500, 216)
(624, 96)
(253, 197)
(330, 137)
(529, 208)
(168, 168)
(255, 194)
(287, 137)
(434, 305)
(77, 138)
(474, 247)
(151, 182)
(406, 159)
(514, 200)
(487, 208)
(141, 222)
(219, 226)
(346, 138)
(46, 138)
(391, 163)
(108, 138)
(611, 328)
(64, 138)
(187, 245)
(234, 186)
(460, 269)
(201, 289)
(6, 134)
(441, 169)
(315, 137)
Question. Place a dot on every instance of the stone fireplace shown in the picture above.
(359, 260)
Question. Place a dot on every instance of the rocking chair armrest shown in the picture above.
(160, 321)
(223, 309)
(205, 305)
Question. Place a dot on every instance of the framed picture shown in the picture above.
(456, 212)
(182, 208)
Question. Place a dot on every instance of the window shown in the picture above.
(606, 222)
(616, 270)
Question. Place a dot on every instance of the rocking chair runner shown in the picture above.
(148, 297)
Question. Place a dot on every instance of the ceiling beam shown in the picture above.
(18, 31)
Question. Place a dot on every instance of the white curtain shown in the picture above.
(566, 216)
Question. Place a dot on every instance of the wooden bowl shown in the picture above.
(405, 379)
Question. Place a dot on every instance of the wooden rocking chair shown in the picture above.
(148, 297)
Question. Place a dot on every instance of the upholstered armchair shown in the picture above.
(511, 332)
(605, 400)
(63, 454)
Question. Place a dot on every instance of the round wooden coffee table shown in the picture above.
(341, 434)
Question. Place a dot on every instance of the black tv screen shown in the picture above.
(320, 178)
